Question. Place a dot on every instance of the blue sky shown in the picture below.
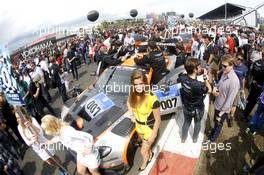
(21, 16)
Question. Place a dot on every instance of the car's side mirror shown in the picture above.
(169, 82)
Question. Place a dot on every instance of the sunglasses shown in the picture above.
(224, 66)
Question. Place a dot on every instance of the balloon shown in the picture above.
(93, 15)
(133, 13)
(191, 15)
(182, 15)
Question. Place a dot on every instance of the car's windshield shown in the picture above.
(119, 82)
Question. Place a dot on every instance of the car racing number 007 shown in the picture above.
(168, 103)
(168, 99)
(98, 104)
(93, 107)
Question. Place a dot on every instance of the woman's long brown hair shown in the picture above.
(134, 99)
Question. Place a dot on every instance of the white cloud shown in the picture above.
(20, 16)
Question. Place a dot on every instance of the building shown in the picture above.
(234, 14)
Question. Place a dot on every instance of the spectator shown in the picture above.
(35, 139)
(106, 60)
(225, 92)
(180, 59)
(72, 61)
(80, 142)
(209, 51)
(241, 71)
(231, 43)
(39, 101)
(193, 93)
(195, 47)
(257, 73)
(257, 120)
(6, 112)
(55, 72)
(65, 58)
(36, 70)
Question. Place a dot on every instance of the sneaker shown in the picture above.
(183, 140)
(249, 132)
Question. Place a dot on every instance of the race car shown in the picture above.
(102, 112)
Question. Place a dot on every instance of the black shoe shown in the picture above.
(194, 140)
(230, 122)
(152, 155)
(246, 120)
(183, 140)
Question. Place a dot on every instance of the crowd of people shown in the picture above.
(231, 64)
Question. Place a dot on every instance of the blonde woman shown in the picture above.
(145, 107)
(80, 142)
(34, 137)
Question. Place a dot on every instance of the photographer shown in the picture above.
(225, 92)
(193, 93)
(38, 99)
(33, 135)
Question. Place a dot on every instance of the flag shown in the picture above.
(8, 84)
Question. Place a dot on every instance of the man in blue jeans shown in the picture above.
(225, 92)
(257, 120)
(192, 95)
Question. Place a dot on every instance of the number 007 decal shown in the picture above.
(168, 103)
(98, 104)
(93, 108)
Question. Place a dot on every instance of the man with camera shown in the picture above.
(225, 93)
(193, 93)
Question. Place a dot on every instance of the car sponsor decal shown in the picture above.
(168, 97)
(98, 104)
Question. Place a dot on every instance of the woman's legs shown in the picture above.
(145, 152)
(81, 169)
(94, 171)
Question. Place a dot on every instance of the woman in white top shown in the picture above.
(80, 142)
(35, 138)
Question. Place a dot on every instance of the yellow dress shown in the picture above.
(144, 116)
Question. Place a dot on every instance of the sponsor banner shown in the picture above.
(8, 84)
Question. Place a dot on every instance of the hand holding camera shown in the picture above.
(215, 91)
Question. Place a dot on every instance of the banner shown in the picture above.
(171, 22)
(8, 84)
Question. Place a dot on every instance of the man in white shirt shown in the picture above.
(44, 65)
(195, 47)
(129, 41)
(242, 40)
(37, 70)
